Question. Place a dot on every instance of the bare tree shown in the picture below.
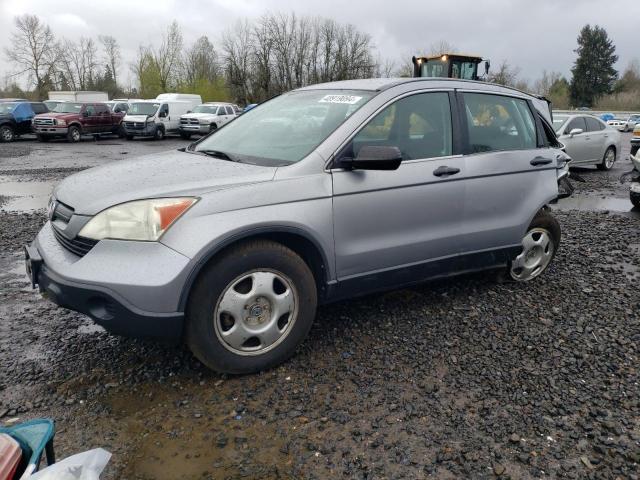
(441, 47)
(78, 61)
(32, 50)
(201, 62)
(167, 57)
(505, 74)
(112, 55)
(237, 45)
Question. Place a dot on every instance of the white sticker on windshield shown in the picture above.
(348, 99)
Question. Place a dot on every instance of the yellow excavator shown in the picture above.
(450, 65)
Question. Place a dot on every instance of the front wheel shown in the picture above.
(251, 308)
(73, 135)
(608, 160)
(539, 246)
(7, 134)
(158, 134)
(635, 199)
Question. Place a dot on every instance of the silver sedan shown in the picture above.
(588, 140)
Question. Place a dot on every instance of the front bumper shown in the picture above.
(133, 302)
(202, 129)
(50, 130)
(148, 130)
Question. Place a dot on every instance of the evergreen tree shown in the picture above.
(593, 72)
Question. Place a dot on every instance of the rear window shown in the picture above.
(498, 123)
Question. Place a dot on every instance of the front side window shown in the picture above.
(419, 125)
(498, 123)
(577, 122)
(289, 128)
(90, 110)
(220, 111)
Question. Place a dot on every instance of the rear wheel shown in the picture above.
(251, 308)
(635, 199)
(6, 133)
(608, 160)
(73, 134)
(539, 246)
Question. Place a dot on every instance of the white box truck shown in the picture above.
(154, 118)
(79, 96)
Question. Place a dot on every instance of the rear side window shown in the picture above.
(498, 123)
(229, 110)
(577, 122)
(419, 125)
(102, 109)
(594, 125)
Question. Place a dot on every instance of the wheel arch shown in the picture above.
(298, 240)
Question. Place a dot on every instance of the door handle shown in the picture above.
(445, 171)
(540, 161)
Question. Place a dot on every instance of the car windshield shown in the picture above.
(559, 121)
(6, 107)
(290, 126)
(143, 108)
(206, 109)
(634, 118)
(67, 108)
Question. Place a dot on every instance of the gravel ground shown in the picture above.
(465, 378)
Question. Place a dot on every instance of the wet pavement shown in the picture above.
(463, 378)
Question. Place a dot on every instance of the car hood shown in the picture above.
(58, 115)
(207, 116)
(136, 118)
(168, 174)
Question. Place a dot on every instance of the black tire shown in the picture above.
(121, 132)
(129, 137)
(213, 282)
(635, 199)
(603, 165)
(73, 134)
(634, 149)
(42, 138)
(542, 220)
(158, 134)
(185, 135)
(213, 127)
(7, 133)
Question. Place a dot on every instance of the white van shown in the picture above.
(195, 100)
(154, 118)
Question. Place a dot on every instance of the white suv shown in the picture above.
(206, 117)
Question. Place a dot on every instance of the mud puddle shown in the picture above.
(25, 196)
(598, 204)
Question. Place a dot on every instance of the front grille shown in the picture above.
(134, 125)
(43, 121)
(78, 245)
(189, 121)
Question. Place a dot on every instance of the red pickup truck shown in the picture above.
(73, 119)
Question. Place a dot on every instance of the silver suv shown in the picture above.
(320, 194)
(207, 117)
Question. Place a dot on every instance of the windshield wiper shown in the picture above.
(218, 154)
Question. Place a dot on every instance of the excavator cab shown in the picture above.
(449, 65)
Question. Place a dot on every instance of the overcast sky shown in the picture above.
(532, 34)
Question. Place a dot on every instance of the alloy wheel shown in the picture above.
(537, 251)
(255, 312)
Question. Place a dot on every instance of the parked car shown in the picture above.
(206, 118)
(633, 120)
(118, 106)
(231, 243)
(154, 118)
(13, 100)
(605, 117)
(619, 124)
(16, 117)
(71, 120)
(634, 175)
(588, 140)
(249, 107)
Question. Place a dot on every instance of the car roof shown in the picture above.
(381, 84)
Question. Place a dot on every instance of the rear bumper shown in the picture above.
(61, 280)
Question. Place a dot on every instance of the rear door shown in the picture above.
(509, 173)
(91, 121)
(398, 221)
(104, 118)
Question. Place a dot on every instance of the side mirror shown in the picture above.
(487, 65)
(85, 114)
(188, 111)
(373, 157)
(575, 131)
(162, 114)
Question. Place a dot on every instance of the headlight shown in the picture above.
(60, 123)
(137, 220)
(205, 122)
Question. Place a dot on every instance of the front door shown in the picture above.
(392, 221)
(509, 174)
